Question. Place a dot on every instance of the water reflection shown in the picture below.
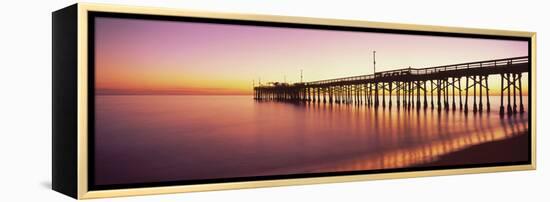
(405, 138)
(166, 138)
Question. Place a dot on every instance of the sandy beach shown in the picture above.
(514, 149)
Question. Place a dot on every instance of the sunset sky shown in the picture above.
(149, 56)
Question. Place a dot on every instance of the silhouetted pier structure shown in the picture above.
(412, 86)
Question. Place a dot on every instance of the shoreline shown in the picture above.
(513, 149)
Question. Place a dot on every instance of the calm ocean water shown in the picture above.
(166, 138)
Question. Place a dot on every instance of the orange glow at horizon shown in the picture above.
(158, 57)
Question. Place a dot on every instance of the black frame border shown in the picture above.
(91, 97)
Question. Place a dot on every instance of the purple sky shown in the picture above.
(154, 55)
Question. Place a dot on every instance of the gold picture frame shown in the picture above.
(74, 20)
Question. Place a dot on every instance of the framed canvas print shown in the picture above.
(152, 101)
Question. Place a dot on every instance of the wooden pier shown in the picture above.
(412, 86)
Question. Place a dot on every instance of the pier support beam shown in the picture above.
(466, 98)
(480, 94)
(324, 90)
(501, 111)
(376, 94)
(390, 89)
(398, 92)
(446, 83)
(425, 96)
(515, 109)
(474, 85)
(409, 101)
(406, 94)
(453, 86)
(439, 94)
(432, 93)
(383, 95)
(487, 93)
(418, 95)
(509, 100)
(460, 92)
(408, 85)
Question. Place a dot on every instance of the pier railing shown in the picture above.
(428, 70)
